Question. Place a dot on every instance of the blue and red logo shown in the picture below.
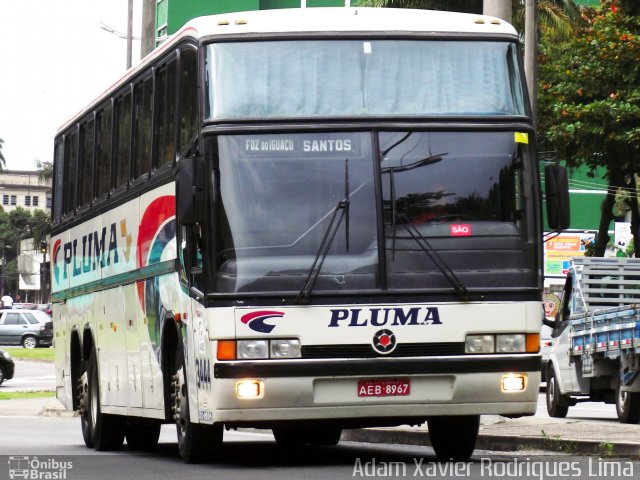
(256, 320)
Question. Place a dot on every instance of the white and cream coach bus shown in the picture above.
(302, 220)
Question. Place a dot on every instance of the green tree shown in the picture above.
(45, 170)
(589, 102)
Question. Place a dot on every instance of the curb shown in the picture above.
(502, 443)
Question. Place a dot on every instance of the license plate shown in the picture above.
(397, 387)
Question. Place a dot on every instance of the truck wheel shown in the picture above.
(555, 402)
(454, 437)
(627, 405)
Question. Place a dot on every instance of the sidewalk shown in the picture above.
(526, 433)
(496, 433)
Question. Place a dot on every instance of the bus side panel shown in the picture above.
(113, 349)
(62, 356)
(132, 319)
(85, 264)
(60, 267)
(120, 232)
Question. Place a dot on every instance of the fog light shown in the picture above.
(514, 382)
(250, 389)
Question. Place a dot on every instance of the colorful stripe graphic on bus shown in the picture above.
(157, 229)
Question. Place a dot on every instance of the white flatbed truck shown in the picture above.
(596, 338)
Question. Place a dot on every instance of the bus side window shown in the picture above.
(58, 173)
(70, 165)
(85, 166)
(188, 97)
(123, 139)
(143, 96)
(103, 152)
(165, 116)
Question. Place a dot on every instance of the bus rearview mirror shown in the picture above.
(557, 193)
(190, 189)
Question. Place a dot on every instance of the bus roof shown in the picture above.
(318, 19)
(346, 19)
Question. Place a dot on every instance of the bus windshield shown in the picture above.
(277, 193)
(321, 78)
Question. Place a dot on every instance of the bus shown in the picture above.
(303, 220)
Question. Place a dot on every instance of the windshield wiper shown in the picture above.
(433, 255)
(340, 212)
(430, 160)
(414, 233)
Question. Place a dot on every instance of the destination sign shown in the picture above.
(342, 145)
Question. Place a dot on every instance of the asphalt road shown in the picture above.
(31, 376)
(56, 444)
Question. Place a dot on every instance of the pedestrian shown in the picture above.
(7, 301)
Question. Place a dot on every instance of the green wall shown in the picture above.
(171, 15)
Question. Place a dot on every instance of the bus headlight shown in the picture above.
(510, 343)
(252, 349)
(479, 344)
(285, 349)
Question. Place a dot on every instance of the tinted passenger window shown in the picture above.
(103, 151)
(143, 94)
(70, 163)
(123, 139)
(165, 145)
(58, 163)
(188, 97)
(85, 177)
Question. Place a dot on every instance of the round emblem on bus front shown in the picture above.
(384, 341)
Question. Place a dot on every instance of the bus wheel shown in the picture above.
(107, 431)
(326, 436)
(290, 436)
(556, 404)
(83, 410)
(196, 442)
(454, 437)
(142, 434)
(627, 405)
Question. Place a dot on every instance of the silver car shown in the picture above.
(29, 328)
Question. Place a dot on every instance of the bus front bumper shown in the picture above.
(317, 390)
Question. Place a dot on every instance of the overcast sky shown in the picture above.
(54, 59)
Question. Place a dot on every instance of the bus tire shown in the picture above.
(326, 436)
(196, 442)
(454, 437)
(106, 431)
(557, 406)
(142, 434)
(83, 402)
(627, 405)
(290, 437)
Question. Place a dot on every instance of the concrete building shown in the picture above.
(22, 188)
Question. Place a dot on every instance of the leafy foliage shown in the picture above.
(589, 100)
